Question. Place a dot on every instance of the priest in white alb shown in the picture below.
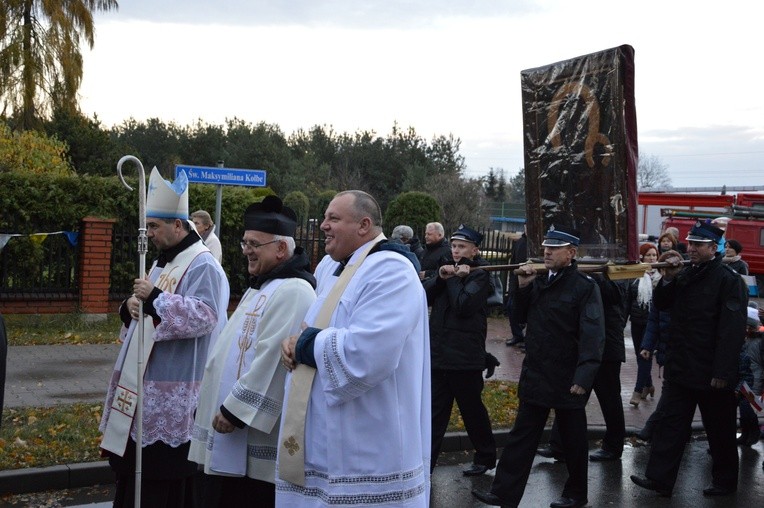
(237, 423)
(185, 302)
(356, 427)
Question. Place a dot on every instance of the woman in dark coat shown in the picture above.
(640, 298)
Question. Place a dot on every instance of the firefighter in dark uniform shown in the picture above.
(707, 303)
(607, 383)
(565, 337)
(458, 326)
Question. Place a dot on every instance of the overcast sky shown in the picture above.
(442, 67)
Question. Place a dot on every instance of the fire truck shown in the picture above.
(744, 211)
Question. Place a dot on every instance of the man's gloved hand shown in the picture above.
(491, 362)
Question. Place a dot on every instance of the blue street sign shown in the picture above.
(223, 176)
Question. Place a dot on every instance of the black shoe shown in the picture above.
(715, 490)
(753, 437)
(568, 502)
(643, 435)
(603, 455)
(492, 499)
(549, 453)
(514, 341)
(743, 439)
(647, 483)
(475, 470)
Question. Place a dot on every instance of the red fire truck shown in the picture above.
(745, 212)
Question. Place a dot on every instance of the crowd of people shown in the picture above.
(692, 314)
(335, 387)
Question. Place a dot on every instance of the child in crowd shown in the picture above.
(750, 372)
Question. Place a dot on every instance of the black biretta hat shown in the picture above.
(271, 216)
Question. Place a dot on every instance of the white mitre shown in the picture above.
(167, 200)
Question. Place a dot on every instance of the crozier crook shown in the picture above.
(142, 248)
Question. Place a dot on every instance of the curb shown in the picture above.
(69, 476)
(88, 474)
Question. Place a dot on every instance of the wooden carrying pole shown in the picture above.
(612, 270)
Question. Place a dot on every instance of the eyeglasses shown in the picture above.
(254, 245)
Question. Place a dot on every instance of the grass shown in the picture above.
(65, 434)
(40, 329)
(39, 437)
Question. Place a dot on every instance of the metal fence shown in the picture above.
(39, 264)
(125, 257)
(52, 265)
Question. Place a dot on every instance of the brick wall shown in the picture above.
(95, 264)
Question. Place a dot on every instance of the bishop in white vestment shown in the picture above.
(237, 421)
(367, 427)
(185, 302)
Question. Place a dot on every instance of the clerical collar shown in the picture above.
(168, 255)
(343, 264)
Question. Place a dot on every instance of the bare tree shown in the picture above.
(652, 173)
(460, 199)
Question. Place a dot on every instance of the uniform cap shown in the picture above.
(559, 236)
(467, 234)
(704, 232)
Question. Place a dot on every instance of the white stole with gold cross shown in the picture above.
(124, 403)
(291, 460)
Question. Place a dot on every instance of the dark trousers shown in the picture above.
(644, 366)
(464, 386)
(647, 430)
(673, 429)
(518, 329)
(214, 491)
(517, 458)
(607, 387)
(167, 477)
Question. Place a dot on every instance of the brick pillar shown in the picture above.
(95, 264)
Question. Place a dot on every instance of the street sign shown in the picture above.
(223, 176)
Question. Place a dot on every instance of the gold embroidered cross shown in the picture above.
(245, 339)
(124, 401)
(291, 445)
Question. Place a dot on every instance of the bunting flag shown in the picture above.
(38, 238)
(72, 237)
